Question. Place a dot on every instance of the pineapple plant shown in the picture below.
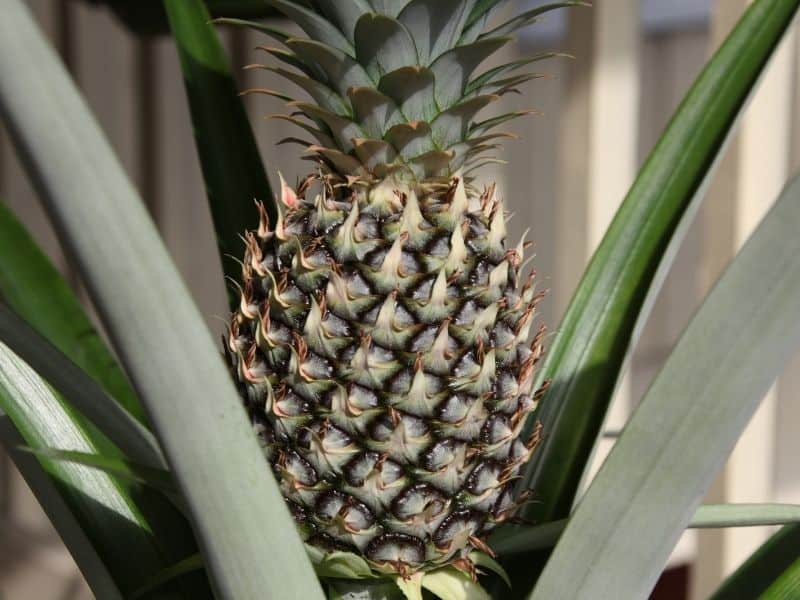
(380, 336)
(381, 343)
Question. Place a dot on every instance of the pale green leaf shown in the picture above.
(80, 390)
(249, 539)
(451, 584)
(411, 586)
(314, 25)
(763, 567)
(383, 45)
(187, 565)
(118, 467)
(688, 422)
(481, 559)
(709, 516)
(72, 532)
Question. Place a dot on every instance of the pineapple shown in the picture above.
(382, 341)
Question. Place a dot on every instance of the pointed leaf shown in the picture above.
(158, 332)
(763, 567)
(452, 125)
(383, 45)
(32, 287)
(344, 130)
(345, 14)
(451, 584)
(341, 71)
(787, 586)
(435, 25)
(375, 112)
(453, 68)
(316, 26)
(494, 73)
(73, 534)
(615, 294)
(411, 139)
(232, 169)
(530, 16)
(118, 467)
(187, 565)
(687, 423)
(103, 506)
(412, 88)
(321, 93)
(709, 516)
(481, 559)
(277, 34)
(411, 586)
(80, 390)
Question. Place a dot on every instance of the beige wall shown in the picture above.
(135, 89)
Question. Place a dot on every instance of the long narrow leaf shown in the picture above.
(80, 390)
(232, 166)
(119, 467)
(708, 516)
(688, 422)
(787, 586)
(615, 295)
(247, 535)
(64, 521)
(105, 509)
(32, 286)
(763, 567)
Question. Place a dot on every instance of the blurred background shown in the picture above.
(601, 115)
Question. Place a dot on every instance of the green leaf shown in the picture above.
(435, 25)
(314, 25)
(616, 292)
(689, 420)
(709, 516)
(118, 467)
(530, 16)
(33, 288)
(187, 565)
(232, 167)
(70, 530)
(343, 565)
(80, 390)
(411, 586)
(342, 589)
(764, 566)
(383, 44)
(481, 559)
(106, 509)
(787, 586)
(248, 539)
(712, 516)
(452, 584)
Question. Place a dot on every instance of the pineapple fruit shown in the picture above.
(382, 341)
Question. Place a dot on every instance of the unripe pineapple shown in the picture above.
(382, 341)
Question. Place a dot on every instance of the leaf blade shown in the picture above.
(80, 390)
(170, 355)
(105, 510)
(232, 167)
(687, 423)
(613, 299)
(763, 567)
(35, 290)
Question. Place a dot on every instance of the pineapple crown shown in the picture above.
(394, 82)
